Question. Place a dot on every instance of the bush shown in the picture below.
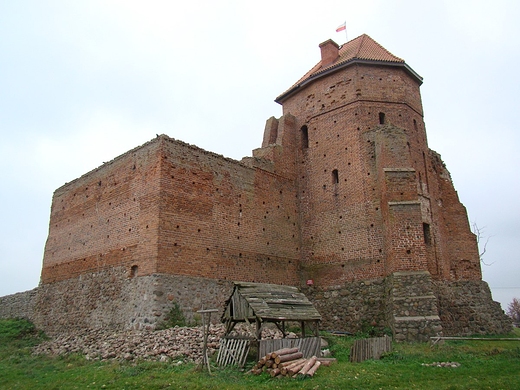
(175, 317)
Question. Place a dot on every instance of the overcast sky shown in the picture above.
(82, 82)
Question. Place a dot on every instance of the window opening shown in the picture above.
(427, 234)
(335, 176)
(305, 137)
(381, 118)
(133, 271)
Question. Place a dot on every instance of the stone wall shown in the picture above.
(112, 299)
(19, 305)
(466, 308)
(350, 307)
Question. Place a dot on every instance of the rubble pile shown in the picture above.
(161, 345)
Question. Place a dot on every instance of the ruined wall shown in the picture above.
(106, 218)
(220, 219)
(19, 305)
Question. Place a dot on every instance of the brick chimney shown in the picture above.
(329, 52)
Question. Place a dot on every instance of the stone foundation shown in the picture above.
(409, 303)
(110, 299)
(466, 308)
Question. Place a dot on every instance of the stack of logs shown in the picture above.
(289, 362)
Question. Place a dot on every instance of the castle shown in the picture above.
(344, 199)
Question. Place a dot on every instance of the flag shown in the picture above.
(342, 27)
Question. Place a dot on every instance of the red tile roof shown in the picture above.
(360, 49)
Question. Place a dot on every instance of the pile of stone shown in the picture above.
(442, 364)
(181, 343)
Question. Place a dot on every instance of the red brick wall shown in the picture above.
(353, 204)
(107, 217)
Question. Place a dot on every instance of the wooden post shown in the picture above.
(205, 359)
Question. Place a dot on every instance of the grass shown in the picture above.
(484, 365)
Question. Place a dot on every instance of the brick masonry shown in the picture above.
(343, 191)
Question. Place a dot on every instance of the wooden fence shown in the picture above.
(371, 348)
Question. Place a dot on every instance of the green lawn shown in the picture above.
(484, 365)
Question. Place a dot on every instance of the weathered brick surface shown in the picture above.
(343, 190)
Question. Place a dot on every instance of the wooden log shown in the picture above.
(308, 365)
(257, 371)
(291, 363)
(283, 351)
(289, 356)
(269, 363)
(288, 365)
(327, 361)
(294, 370)
(314, 368)
(275, 372)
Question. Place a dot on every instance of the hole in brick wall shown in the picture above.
(293, 236)
(339, 232)
(377, 208)
(133, 271)
(371, 225)
(342, 248)
(175, 244)
(408, 251)
(304, 137)
(240, 255)
(198, 230)
(380, 250)
(91, 226)
(263, 229)
(130, 229)
(238, 224)
(173, 177)
(268, 258)
(177, 226)
(108, 235)
(193, 182)
(134, 199)
(133, 167)
(294, 223)
(207, 249)
(415, 125)
(316, 142)
(238, 237)
(110, 203)
(348, 164)
(368, 173)
(147, 226)
(427, 234)
(341, 217)
(278, 206)
(402, 193)
(312, 237)
(378, 260)
(324, 186)
(297, 249)
(267, 242)
(324, 155)
(335, 176)
(263, 202)
(108, 220)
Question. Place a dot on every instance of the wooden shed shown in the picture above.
(262, 303)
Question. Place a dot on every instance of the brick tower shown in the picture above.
(376, 203)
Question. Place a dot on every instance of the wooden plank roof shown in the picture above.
(271, 302)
